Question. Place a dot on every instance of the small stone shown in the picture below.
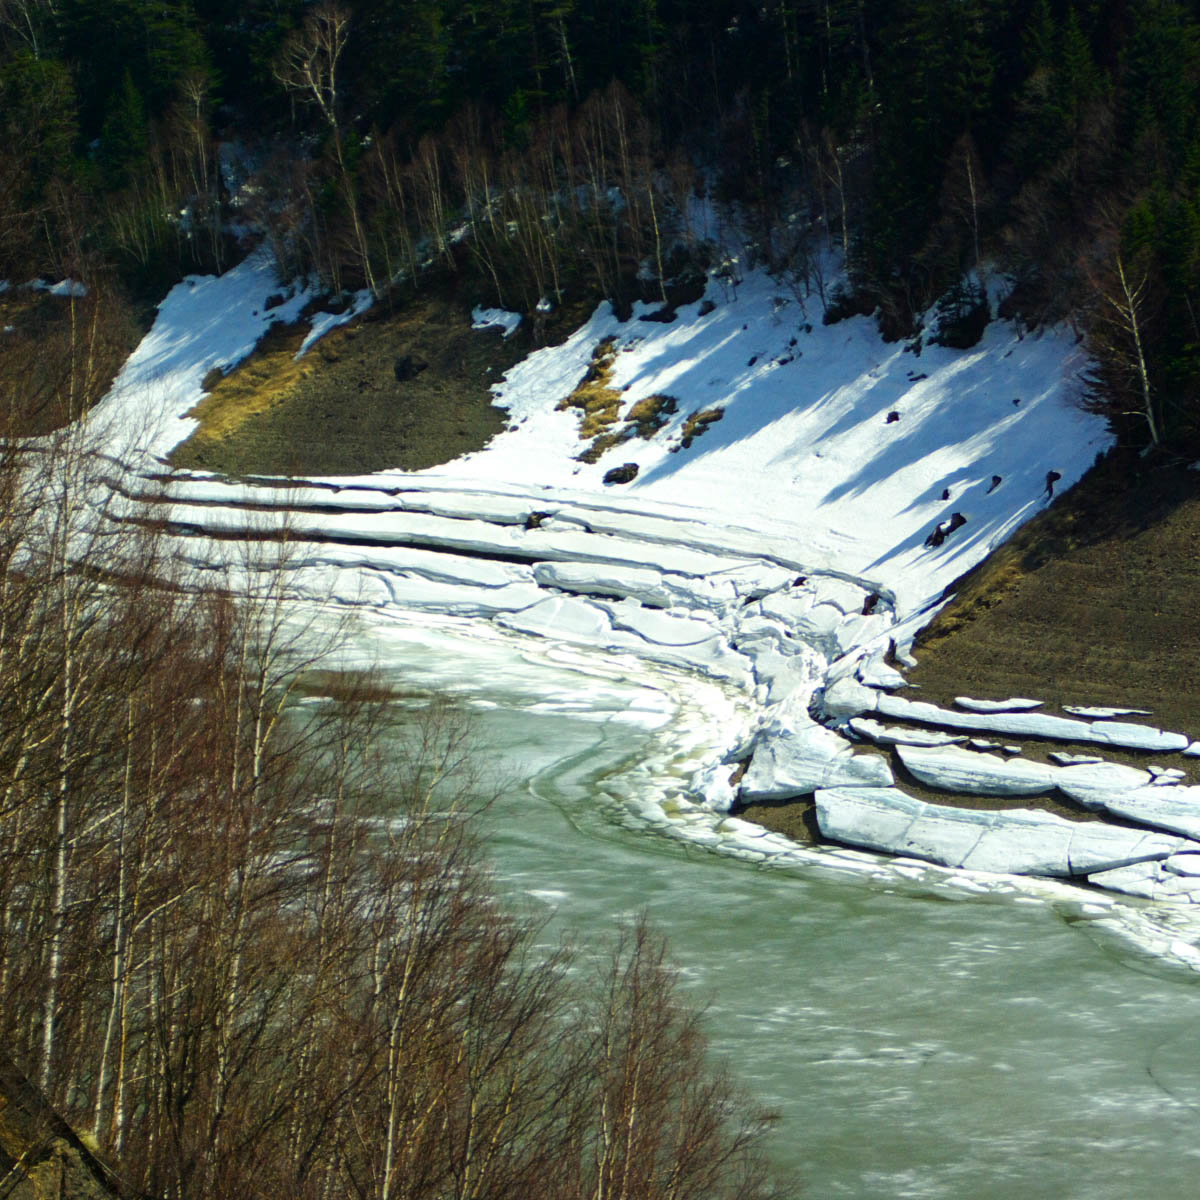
(625, 473)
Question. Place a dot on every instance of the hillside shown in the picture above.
(1092, 602)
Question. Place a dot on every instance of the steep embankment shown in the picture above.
(1092, 602)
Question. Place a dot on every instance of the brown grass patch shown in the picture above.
(341, 408)
(599, 403)
(255, 386)
(650, 416)
(594, 397)
(698, 423)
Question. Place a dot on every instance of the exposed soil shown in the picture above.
(1093, 602)
(344, 409)
(795, 819)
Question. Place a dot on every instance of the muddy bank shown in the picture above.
(407, 390)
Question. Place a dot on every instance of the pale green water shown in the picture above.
(913, 1046)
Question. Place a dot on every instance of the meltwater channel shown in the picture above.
(914, 1045)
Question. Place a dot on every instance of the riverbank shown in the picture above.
(778, 554)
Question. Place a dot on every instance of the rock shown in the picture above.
(953, 769)
(407, 368)
(41, 1155)
(942, 531)
(626, 473)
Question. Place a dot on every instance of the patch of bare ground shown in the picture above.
(408, 388)
(1094, 602)
(795, 819)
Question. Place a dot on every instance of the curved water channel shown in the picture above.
(913, 1044)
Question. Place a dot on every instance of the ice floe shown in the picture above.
(1016, 704)
(1012, 841)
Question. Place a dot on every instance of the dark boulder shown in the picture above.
(625, 473)
(407, 368)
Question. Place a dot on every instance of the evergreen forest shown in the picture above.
(551, 149)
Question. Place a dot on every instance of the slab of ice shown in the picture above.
(1166, 776)
(657, 626)
(1016, 704)
(877, 818)
(1176, 808)
(794, 756)
(1186, 862)
(1094, 784)
(1100, 713)
(848, 698)
(1017, 841)
(1065, 759)
(1149, 879)
(894, 735)
(954, 769)
(1114, 733)
(566, 617)
(600, 579)
(712, 787)
(876, 673)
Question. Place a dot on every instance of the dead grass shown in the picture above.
(599, 404)
(698, 423)
(267, 378)
(342, 410)
(594, 397)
